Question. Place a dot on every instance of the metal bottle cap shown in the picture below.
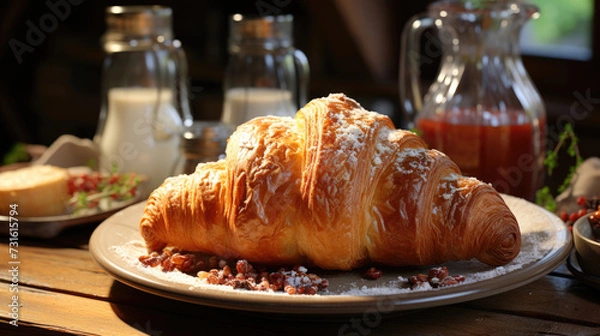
(270, 31)
(138, 23)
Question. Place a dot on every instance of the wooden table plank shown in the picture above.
(65, 269)
(551, 297)
(89, 316)
(68, 314)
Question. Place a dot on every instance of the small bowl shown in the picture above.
(588, 249)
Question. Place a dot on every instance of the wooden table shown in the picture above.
(61, 290)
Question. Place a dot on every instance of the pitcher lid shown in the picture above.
(271, 31)
(500, 8)
(136, 22)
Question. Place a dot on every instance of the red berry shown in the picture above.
(581, 201)
(564, 216)
(573, 216)
(113, 179)
(581, 213)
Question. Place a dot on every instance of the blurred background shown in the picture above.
(53, 88)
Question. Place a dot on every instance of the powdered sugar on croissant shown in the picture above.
(336, 187)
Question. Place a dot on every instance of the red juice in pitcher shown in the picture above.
(508, 155)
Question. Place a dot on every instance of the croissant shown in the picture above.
(336, 187)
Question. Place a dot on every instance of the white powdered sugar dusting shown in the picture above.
(382, 150)
(453, 189)
(351, 137)
(416, 159)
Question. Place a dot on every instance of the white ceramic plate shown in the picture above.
(51, 226)
(116, 244)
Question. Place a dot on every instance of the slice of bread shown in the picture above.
(37, 190)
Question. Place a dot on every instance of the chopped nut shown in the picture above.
(242, 266)
(213, 262)
(437, 277)
(373, 273)
(216, 271)
(226, 270)
(203, 275)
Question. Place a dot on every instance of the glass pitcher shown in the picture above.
(144, 90)
(482, 110)
(265, 74)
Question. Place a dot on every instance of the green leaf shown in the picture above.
(92, 164)
(551, 161)
(544, 195)
(544, 198)
(17, 153)
(416, 131)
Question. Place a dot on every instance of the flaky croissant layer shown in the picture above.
(336, 187)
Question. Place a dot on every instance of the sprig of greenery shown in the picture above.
(416, 131)
(544, 196)
(17, 153)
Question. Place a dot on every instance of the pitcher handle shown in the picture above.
(160, 78)
(411, 98)
(303, 74)
(182, 82)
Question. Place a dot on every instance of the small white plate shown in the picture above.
(116, 245)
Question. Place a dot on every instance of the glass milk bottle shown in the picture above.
(265, 75)
(482, 110)
(145, 106)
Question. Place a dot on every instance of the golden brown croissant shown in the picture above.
(336, 187)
